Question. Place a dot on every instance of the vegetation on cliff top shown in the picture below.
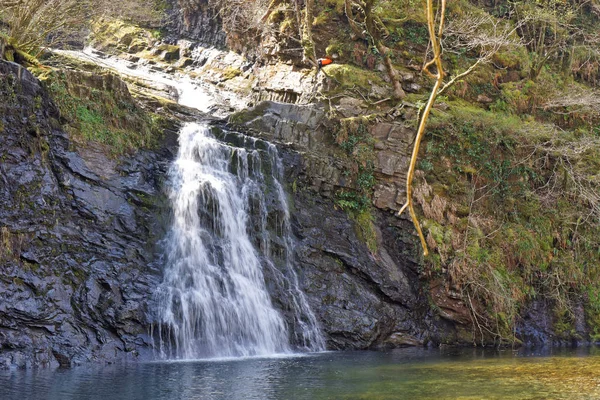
(30, 25)
(97, 107)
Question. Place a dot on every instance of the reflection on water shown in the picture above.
(399, 374)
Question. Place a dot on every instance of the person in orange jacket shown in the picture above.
(324, 61)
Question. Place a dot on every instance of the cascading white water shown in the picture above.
(307, 332)
(213, 301)
(224, 241)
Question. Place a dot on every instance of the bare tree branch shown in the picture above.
(481, 33)
(436, 29)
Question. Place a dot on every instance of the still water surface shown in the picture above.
(400, 374)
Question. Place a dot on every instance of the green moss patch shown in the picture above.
(349, 76)
(231, 72)
(120, 35)
(99, 108)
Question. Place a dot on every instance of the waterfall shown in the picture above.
(214, 300)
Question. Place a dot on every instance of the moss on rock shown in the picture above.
(350, 76)
(99, 108)
(108, 35)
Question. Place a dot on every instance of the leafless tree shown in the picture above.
(477, 33)
(572, 162)
(242, 16)
(548, 29)
(435, 70)
(467, 33)
(573, 100)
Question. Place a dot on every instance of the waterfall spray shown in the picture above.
(213, 301)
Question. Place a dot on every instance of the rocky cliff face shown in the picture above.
(81, 258)
(294, 102)
(363, 299)
(78, 232)
(194, 20)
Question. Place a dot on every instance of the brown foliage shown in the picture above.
(32, 24)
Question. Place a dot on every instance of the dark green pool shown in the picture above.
(400, 374)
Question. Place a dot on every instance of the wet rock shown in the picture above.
(196, 21)
(169, 55)
(360, 298)
(76, 242)
(137, 45)
(133, 59)
(412, 87)
(184, 62)
(400, 339)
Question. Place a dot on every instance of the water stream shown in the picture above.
(186, 91)
(214, 301)
(230, 237)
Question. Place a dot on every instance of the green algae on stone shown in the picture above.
(230, 73)
(349, 76)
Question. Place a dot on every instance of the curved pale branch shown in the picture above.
(435, 39)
